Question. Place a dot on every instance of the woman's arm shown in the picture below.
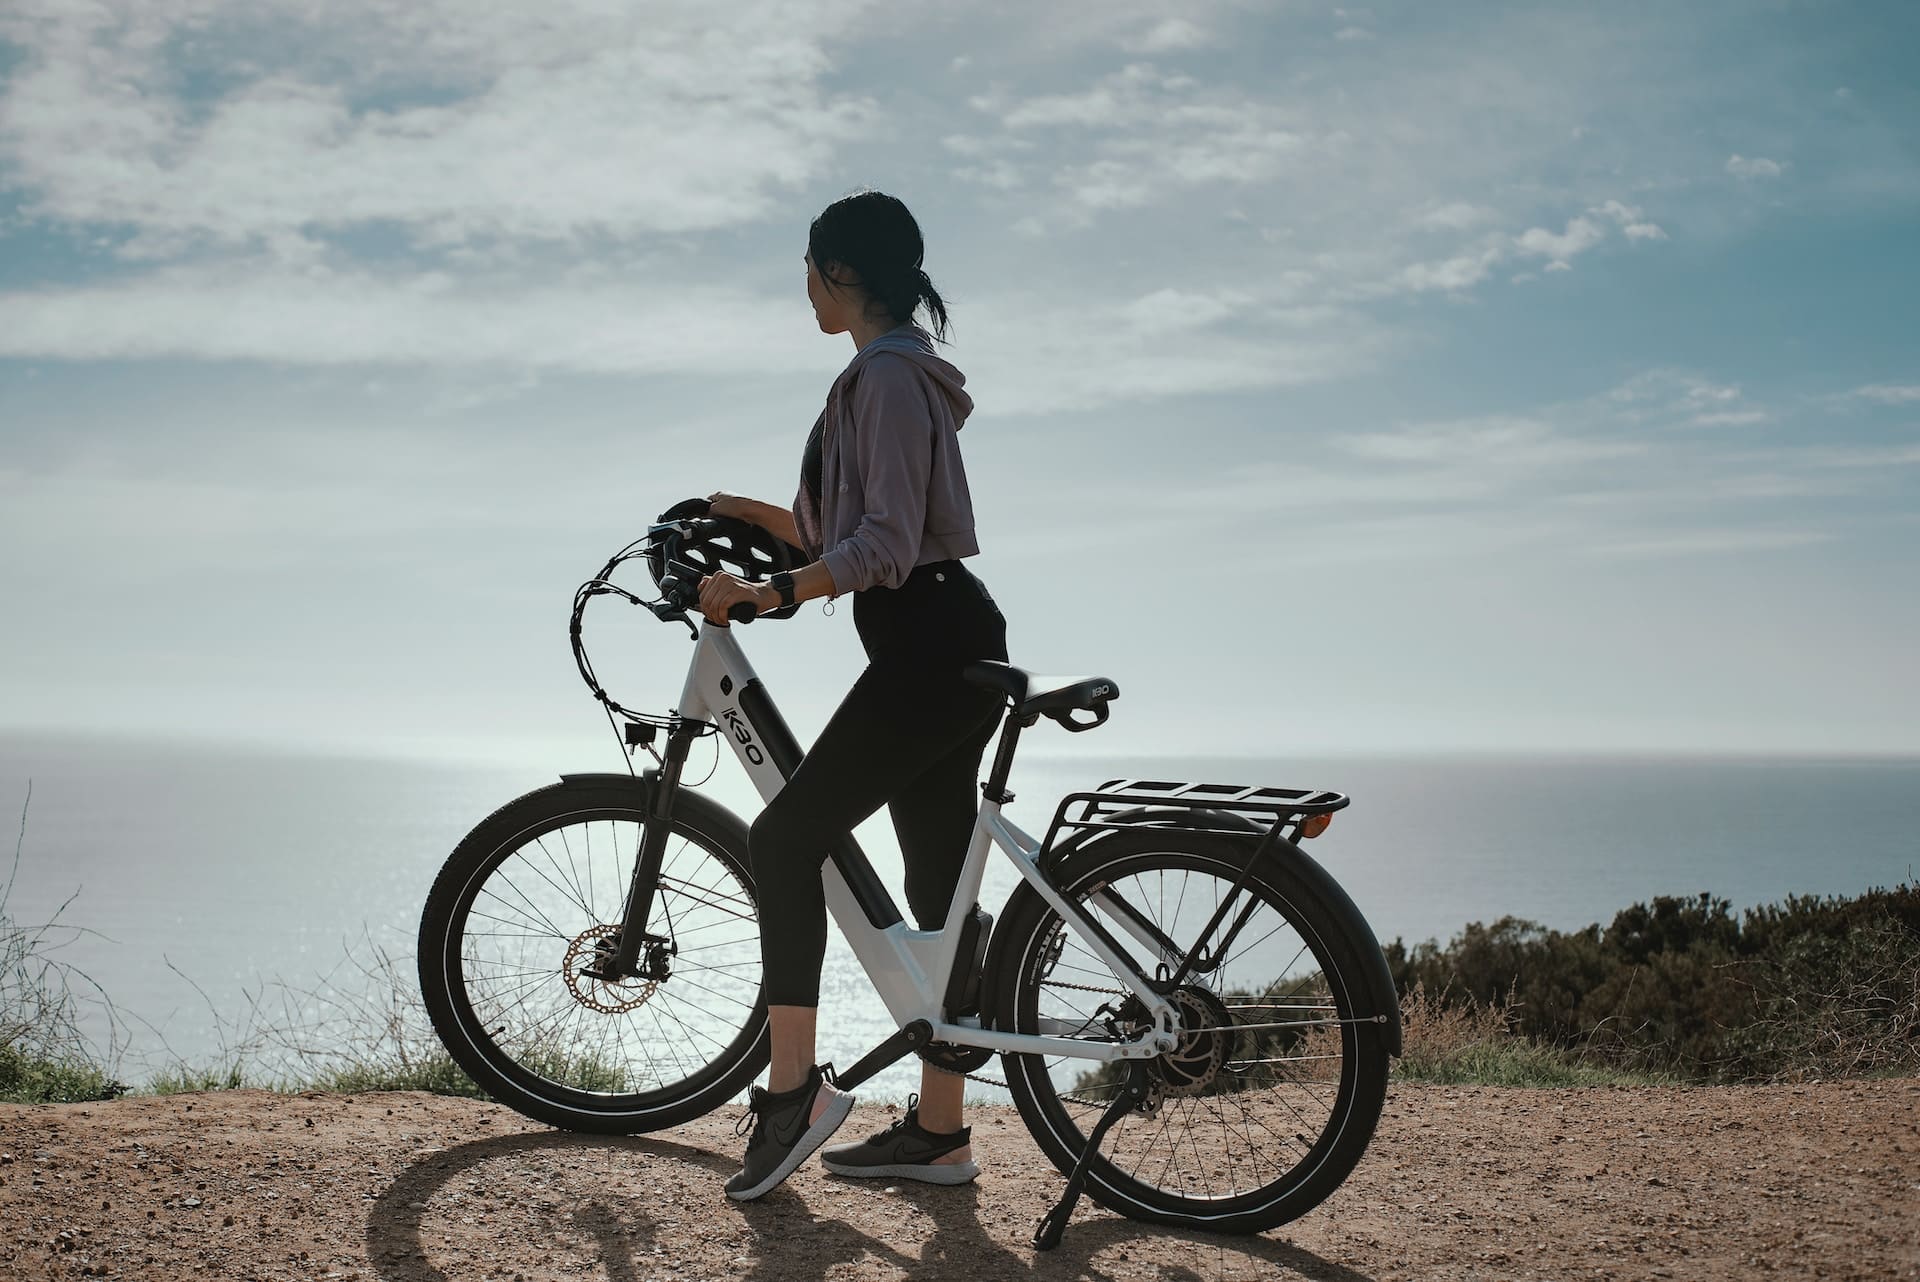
(777, 521)
(719, 591)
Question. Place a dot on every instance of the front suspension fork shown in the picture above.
(653, 849)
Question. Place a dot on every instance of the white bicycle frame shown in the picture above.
(910, 968)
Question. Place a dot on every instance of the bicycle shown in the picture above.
(1194, 1020)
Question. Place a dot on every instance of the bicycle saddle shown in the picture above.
(1038, 696)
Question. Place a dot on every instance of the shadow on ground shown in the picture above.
(632, 1235)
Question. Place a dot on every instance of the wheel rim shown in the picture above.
(1244, 1116)
(555, 893)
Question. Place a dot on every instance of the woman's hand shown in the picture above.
(733, 505)
(720, 591)
(777, 521)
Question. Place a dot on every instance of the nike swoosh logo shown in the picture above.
(787, 1137)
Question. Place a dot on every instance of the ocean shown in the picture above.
(212, 893)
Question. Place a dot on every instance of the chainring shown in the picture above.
(955, 1059)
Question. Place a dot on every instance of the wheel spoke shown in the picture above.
(1262, 1068)
(532, 912)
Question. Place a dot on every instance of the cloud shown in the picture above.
(1458, 215)
(1756, 167)
(264, 312)
(1166, 343)
(1506, 442)
(1169, 35)
(1461, 272)
(1678, 397)
(570, 121)
(1161, 343)
(1630, 221)
(1464, 270)
(1889, 393)
(1581, 234)
(1891, 456)
(1149, 133)
(1710, 542)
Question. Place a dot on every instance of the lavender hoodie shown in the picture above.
(893, 492)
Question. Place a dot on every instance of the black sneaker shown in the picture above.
(904, 1151)
(781, 1137)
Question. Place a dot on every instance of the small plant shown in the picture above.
(45, 1056)
(1470, 1043)
(181, 1080)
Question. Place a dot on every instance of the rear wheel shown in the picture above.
(1276, 1084)
(519, 917)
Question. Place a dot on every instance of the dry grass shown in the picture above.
(45, 1055)
(1468, 1042)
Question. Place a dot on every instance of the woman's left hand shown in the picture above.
(720, 591)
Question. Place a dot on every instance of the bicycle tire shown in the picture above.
(548, 873)
(1198, 1161)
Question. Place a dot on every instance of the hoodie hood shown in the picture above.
(916, 344)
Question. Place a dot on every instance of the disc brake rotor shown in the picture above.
(1206, 1039)
(594, 947)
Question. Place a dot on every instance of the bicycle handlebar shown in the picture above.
(681, 588)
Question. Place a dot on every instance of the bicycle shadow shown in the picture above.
(961, 1247)
(623, 1228)
(616, 1227)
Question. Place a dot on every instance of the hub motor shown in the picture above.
(1206, 1040)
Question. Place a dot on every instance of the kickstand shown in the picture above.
(1054, 1223)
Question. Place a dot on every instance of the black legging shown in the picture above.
(909, 736)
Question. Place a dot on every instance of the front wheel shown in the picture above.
(532, 900)
(1277, 1081)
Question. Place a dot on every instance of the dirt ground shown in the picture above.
(1817, 1181)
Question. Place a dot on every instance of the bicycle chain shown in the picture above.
(1051, 983)
(1085, 988)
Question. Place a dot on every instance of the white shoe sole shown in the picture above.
(839, 1104)
(925, 1172)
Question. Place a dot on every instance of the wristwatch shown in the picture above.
(783, 584)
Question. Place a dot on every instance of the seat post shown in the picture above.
(995, 788)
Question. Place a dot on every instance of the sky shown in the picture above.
(1402, 379)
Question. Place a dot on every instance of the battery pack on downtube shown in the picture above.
(653, 848)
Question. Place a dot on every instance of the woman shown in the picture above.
(883, 512)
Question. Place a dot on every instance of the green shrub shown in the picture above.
(1812, 986)
(26, 1078)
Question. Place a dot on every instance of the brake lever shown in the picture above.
(667, 612)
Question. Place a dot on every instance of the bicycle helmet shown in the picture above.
(687, 534)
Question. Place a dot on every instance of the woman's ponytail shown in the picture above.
(874, 235)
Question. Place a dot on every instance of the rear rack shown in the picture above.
(1272, 808)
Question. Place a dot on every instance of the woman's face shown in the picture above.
(833, 305)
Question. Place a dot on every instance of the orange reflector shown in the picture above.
(1314, 825)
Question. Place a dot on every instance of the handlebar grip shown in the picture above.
(743, 612)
